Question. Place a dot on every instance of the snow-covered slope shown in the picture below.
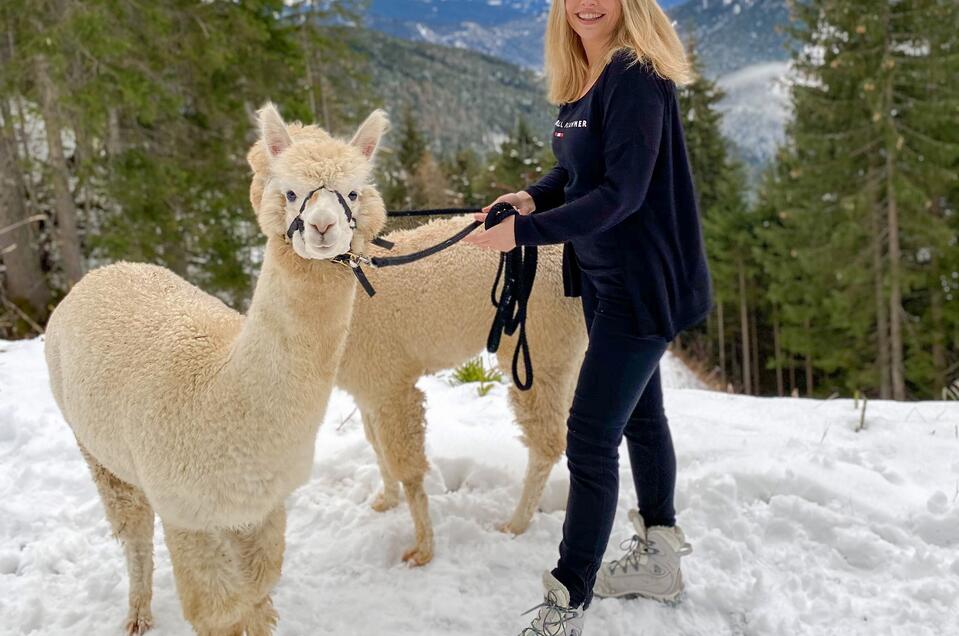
(799, 524)
(755, 109)
(676, 375)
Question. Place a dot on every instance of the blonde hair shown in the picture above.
(645, 32)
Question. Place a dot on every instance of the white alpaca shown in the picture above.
(435, 314)
(187, 409)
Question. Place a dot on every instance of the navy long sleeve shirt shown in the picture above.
(621, 198)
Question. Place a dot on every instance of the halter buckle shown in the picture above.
(352, 259)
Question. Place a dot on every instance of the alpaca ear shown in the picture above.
(368, 135)
(273, 130)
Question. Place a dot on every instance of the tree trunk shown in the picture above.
(68, 235)
(809, 374)
(757, 380)
(721, 331)
(792, 375)
(938, 329)
(310, 83)
(744, 328)
(882, 322)
(777, 351)
(892, 220)
(895, 287)
(708, 353)
(113, 142)
(24, 280)
(315, 56)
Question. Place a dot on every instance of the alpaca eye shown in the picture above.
(291, 196)
(353, 195)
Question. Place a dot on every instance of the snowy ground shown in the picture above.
(800, 525)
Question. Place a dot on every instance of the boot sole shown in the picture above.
(667, 599)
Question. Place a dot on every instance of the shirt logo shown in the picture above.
(576, 123)
(558, 133)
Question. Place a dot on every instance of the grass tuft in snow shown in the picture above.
(475, 370)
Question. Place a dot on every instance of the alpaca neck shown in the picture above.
(293, 336)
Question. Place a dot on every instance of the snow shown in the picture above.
(800, 525)
(756, 107)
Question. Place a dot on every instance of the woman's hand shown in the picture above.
(521, 200)
(501, 237)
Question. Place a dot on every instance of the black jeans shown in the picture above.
(618, 393)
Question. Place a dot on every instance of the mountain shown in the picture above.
(733, 34)
(740, 44)
(518, 40)
(460, 98)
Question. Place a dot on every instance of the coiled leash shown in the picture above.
(517, 269)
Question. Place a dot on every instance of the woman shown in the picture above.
(621, 198)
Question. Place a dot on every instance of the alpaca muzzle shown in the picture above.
(348, 258)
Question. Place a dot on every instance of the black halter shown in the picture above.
(348, 258)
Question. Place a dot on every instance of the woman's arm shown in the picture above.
(547, 193)
(634, 108)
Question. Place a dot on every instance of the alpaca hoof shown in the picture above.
(512, 528)
(138, 623)
(382, 502)
(417, 557)
(263, 619)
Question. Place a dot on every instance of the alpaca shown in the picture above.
(435, 314)
(186, 409)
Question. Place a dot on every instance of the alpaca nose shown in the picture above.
(322, 229)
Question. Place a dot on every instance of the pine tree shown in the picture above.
(464, 173)
(396, 172)
(519, 161)
(147, 143)
(871, 152)
(336, 78)
(428, 186)
(720, 187)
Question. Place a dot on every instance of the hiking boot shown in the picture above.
(555, 616)
(650, 567)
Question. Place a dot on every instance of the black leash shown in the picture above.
(431, 212)
(405, 259)
(517, 269)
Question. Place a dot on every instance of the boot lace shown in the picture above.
(552, 616)
(637, 550)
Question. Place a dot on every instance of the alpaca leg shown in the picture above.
(262, 549)
(131, 518)
(389, 497)
(541, 413)
(400, 429)
(208, 568)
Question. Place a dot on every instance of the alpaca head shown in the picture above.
(292, 161)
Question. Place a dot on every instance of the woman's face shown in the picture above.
(594, 20)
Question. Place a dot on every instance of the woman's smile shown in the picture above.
(590, 17)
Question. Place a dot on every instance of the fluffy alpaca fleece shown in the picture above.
(435, 314)
(186, 409)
